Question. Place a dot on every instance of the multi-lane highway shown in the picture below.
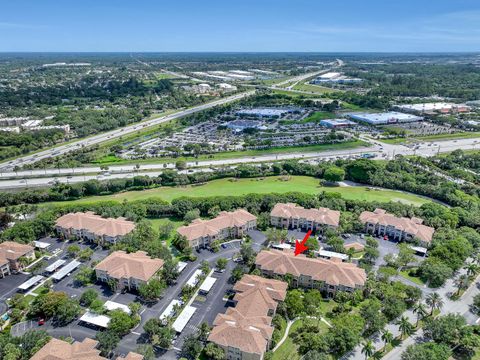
(63, 149)
(35, 178)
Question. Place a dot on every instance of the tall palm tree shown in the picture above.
(387, 337)
(472, 269)
(368, 349)
(404, 327)
(462, 283)
(421, 311)
(434, 300)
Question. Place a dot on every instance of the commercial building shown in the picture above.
(88, 226)
(80, 350)
(334, 78)
(244, 332)
(11, 255)
(128, 270)
(385, 118)
(380, 222)
(326, 275)
(227, 87)
(292, 216)
(201, 233)
(336, 123)
(437, 107)
(263, 112)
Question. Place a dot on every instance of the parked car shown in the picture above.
(41, 322)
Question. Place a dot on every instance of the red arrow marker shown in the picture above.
(300, 246)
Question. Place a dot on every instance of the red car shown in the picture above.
(41, 322)
(385, 237)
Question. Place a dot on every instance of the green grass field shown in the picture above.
(414, 279)
(112, 160)
(229, 187)
(312, 88)
(439, 137)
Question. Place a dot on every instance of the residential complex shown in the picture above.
(93, 227)
(10, 255)
(201, 233)
(326, 275)
(128, 270)
(244, 332)
(85, 350)
(291, 216)
(380, 222)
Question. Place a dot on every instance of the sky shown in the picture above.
(240, 25)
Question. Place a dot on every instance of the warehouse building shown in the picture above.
(385, 118)
(438, 107)
(336, 123)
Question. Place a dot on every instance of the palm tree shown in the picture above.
(419, 309)
(462, 283)
(434, 300)
(368, 349)
(387, 337)
(404, 327)
(472, 269)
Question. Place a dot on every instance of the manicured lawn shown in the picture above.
(288, 350)
(238, 154)
(312, 88)
(295, 94)
(439, 137)
(414, 279)
(273, 184)
(315, 117)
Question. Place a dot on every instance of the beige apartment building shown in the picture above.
(201, 233)
(312, 273)
(128, 270)
(379, 222)
(91, 227)
(245, 331)
(80, 350)
(10, 255)
(292, 216)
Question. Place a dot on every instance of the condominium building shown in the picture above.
(201, 233)
(244, 332)
(88, 226)
(291, 216)
(10, 255)
(379, 222)
(326, 275)
(128, 270)
(81, 350)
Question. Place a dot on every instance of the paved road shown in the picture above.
(107, 136)
(36, 178)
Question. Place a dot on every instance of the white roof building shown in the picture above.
(207, 284)
(41, 245)
(54, 266)
(66, 270)
(112, 305)
(95, 319)
(169, 311)
(181, 265)
(385, 118)
(30, 282)
(193, 281)
(183, 319)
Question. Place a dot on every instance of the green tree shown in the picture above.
(404, 326)
(221, 264)
(191, 347)
(73, 250)
(147, 351)
(387, 337)
(152, 290)
(421, 311)
(88, 297)
(120, 322)
(214, 352)
(107, 341)
(462, 283)
(334, 174)
(191, 215)
(427, 351)
(434, 300)
(294, 303)
(368, 349)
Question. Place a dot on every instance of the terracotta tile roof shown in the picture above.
(320, 216)
(61, 350)
(96, 224)
(330, 272)
(255, 302)
(13, 251)
(136, 265)
(248, 333)
(201, 228)
(276, 289)
(411, 226)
